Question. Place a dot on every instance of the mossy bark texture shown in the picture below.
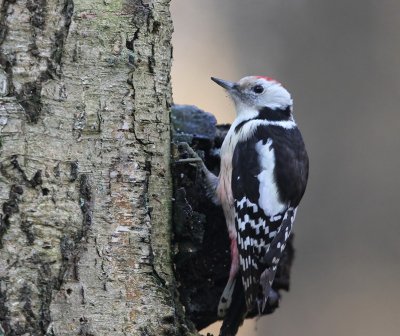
(84, 168)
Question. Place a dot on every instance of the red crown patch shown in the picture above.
(267, 78)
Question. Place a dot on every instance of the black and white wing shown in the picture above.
(269, 176)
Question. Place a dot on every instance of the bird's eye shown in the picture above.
(258, 89)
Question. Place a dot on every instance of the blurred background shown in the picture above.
(341, 62)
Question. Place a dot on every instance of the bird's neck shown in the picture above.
(268, 113)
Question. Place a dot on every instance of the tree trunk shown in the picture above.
(85, 186)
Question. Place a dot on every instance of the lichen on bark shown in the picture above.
(84, 168)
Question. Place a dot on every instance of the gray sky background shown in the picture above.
(341, 62)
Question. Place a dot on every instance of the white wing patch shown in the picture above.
(269, 197)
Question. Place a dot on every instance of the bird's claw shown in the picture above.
(195, 158)
(189, 160)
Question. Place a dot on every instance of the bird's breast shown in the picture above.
(224, 188)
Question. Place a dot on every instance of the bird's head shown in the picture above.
(254, 93)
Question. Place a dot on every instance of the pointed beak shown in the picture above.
(225, 84)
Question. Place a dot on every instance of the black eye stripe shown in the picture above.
(258, 89)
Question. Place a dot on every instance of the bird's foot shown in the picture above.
(194, 157)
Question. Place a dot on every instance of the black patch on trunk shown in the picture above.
(85, 192)
(9, 208)
(37, 8)
(30, 100)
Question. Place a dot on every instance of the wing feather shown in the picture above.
(259, 206)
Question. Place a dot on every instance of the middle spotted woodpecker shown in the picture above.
(263, 176)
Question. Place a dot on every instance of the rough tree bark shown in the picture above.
(85, 181)
(84, 168)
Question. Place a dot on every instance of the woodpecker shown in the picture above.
(263, 176)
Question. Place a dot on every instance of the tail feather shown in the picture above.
(266, 280)
(226, 297)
